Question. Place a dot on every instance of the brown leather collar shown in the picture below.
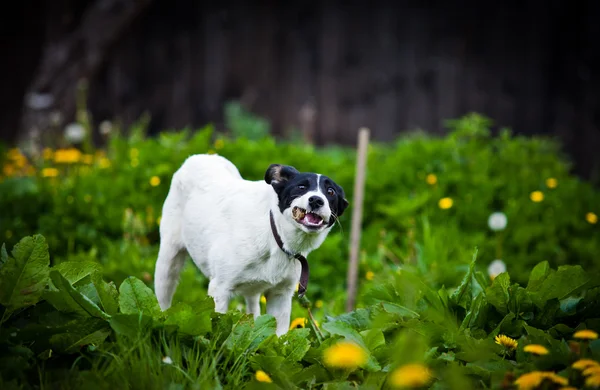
(304, 274)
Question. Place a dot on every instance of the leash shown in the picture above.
(298, 256)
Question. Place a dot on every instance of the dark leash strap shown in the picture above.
(298, 256)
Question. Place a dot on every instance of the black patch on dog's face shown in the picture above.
(335, 196)
(290, 184)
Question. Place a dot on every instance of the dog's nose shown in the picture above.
(315, 202)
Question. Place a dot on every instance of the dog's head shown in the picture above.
(312, 200)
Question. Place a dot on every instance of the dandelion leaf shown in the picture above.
(67, 299)
(24, 276)
(135, 297)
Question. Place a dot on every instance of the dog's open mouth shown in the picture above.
(308, 219)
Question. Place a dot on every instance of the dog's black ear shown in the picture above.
(342, 205)
(277, 173)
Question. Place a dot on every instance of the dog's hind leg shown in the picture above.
(166, 276)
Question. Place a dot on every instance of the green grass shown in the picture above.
(77, 308)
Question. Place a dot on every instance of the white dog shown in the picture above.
(245, 236)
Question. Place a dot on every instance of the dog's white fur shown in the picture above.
(222, 221)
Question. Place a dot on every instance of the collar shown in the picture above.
(298, 256)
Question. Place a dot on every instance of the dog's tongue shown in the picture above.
(313, 218)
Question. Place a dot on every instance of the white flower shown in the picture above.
(56, 118)
(105, 127)
(495, 268)
(497, 221)
(74, 133)
(167, 360)
(39, 101)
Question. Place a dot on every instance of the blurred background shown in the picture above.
(320, 68)
(484, 126)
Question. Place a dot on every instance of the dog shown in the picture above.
(248, 238)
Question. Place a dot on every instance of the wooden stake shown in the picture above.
(357, 208)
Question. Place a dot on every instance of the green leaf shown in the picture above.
(567, 280)
(295, 344)
(131, 325)
(24, 276)
(107, 293)
(358, 319)
(3, 255)
(476, 317)
(72, 342)
(399, 310)
(539, 273)
(68, 299)
(194, 321)
(74, 271)
(462, 295)
(309, 376)
(373, 338)
(135, 297)
(278, 368)
(520, 300)
(247, 334)
(498, 294)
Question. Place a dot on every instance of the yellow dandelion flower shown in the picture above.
(47, 154)
(582, 364)
(344, 355)
(591, 218)
(14, 154)
(593, 381)
(593, 370)
(262, 376)
(536, 349)
(506, 341)
(318, 303)
(551, 182)
(431, 179)
(67, 156)
(445, 203)
(8, 170)
(263, 299)
(410, 375)
(369, 275)
(134, 153)
(49, 172)
(104, 163)
(298, 323)
(297, 287)
(154, 181)
(559, 380)
(536, 196)
(135, 162)
(87, 159)
(219, 144)
(586, 334)
(530, 380)
(158, 221)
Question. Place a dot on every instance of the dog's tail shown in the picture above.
(171, 254)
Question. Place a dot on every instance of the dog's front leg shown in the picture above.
(279, 305)
(253, 305)
(220, 294)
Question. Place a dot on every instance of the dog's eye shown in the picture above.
(301, 186)
(330, 191)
